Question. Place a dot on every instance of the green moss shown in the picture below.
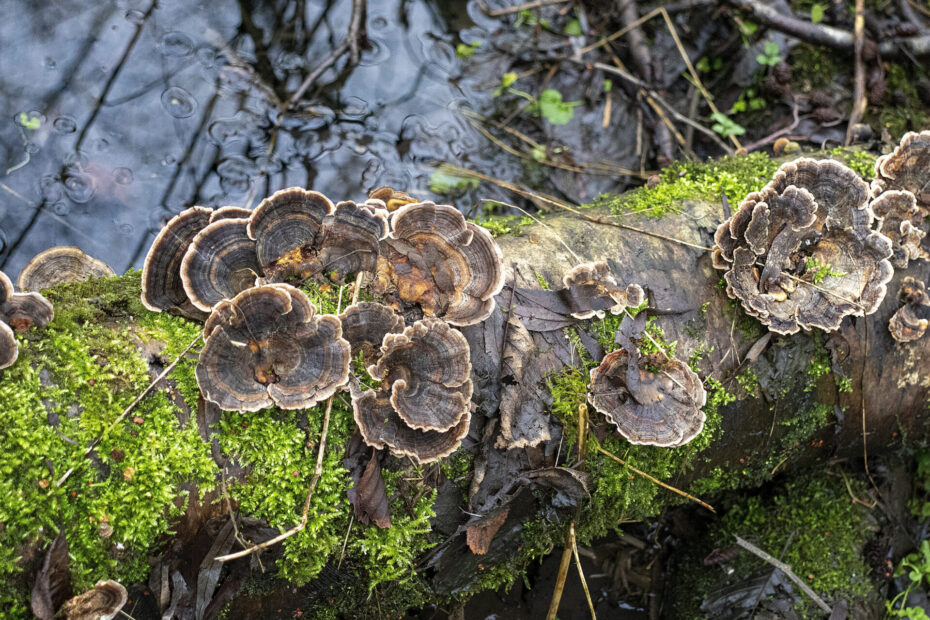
(501, 225)
(733, 176)
(813, 67)
(861, 162)
(906, 111)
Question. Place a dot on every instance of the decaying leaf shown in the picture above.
(210, 569)
(53, 583)
(523, 419)
(479, 534)
(369, 497)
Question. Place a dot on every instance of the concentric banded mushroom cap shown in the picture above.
(902, 222)
(428, 369)
(285, 228)
(591, 286)
(219, 264)
(434, 258)
(381, 427)
(162, 288)
(268, 347)
(365, 324)
(230, 213)
(912, 318)
(906, 168)
(6, 287)
(349, 242)
(800, 253)
(656, 408)
(64, 263)
(25, 310)
(9, 348)
(102, 603)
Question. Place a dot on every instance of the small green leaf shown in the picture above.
(465, 50)
(573, 28)
(29, 122)
(703, 65)
(608, 84)
(771, 48)
(446, 180)
(551, 107)
(817, 13)
(538, 153)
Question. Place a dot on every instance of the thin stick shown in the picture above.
(535, 4)
(655, 480)
(132, 405)
(584, 584)
(748, 546)
(312, 77)
(345, 542)
(559, 583)
(859, 100)
(538, 221)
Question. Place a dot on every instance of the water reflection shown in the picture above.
(147, 108)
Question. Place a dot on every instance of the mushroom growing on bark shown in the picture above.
(902, 222)
(651, 399)
(906, 168)
(365, 324)
(267, 346)
(590, 289)
(434, 258)
(349, 241)
(911, 320)
(230, 213)
(162, 287)
(220, 263)
(800, 253)
(101, 603)
(64, 263)
(23, 310)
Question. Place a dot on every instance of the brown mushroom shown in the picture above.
(651, 399)
(434, 258)
(219, 264)
(591, 288)
(162, 288)
(901, 221)
(911, 320)
(23, 310)
(800, 253)
(428, 369)
(365, 324)
(268, 347)
(381, 427)
(349, 242)
(9, 348)
(391, 198)
(907, 168)
(6, 287)
(102, 603)
(64, 263)
(285, 228)
(229, 213)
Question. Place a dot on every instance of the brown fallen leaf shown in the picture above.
(101, 603)
(479, 535)
(53, 583)
(369, 496)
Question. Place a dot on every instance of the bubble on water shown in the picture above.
(50, 63)
(206, 55)
(122, 175)
(80, 187)
(176, 45)
(178, 102)
(61, 208)
(135, 16)
(126, 229)
(169, 160)
(235, 174)
(378, 23)
(64, 125)
(49, 188)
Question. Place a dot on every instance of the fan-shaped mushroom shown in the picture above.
(6, 287)
(220, 263)
(906, 168)
(268, 347)
(23, 310)
(801, 252)
(349, 242)
(381, 427)
(285, 227)
(434, 258)
(911, 320)
(101, 603)
(9, 348)
(162, 288)
(652, 399)
(230, 213)
(428, 369)
(590, 286)
(902, 222)
(64, 263)
(365, 324)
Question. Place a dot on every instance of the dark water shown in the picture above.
(145, 109)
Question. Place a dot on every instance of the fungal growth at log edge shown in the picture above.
(9, 349)
(21, 311)
(365, 324)
(103, 602)
(902, 222)
(651, 399)
(60, 264)
(911, 320)
(422, 408)
(220, 263)
(267, 346)
(907, 168)
(590, 289)
(435, 259)
(800, 253)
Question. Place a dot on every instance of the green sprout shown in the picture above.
(769, 57)
(819, 271)
(29, 121)
(726, 127)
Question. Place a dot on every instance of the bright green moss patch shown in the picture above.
(501, 225)
(861, 162)
(733, 176)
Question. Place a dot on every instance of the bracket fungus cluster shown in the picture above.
(264, 343)
(590, 289)
(801, 252)
(652, 399)
(20, 312)
(911, 320)
(58, 265)
(422, 407)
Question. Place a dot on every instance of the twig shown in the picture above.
(538, 221)
(584, 584)
(559, 583)
(859, 100)
(132, 405)
(748, 546)
(520, 7)
(345, 542)
(312, 77)
(655, 480)
(356, 28)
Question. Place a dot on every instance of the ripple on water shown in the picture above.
(178, 102)
(61, 208)
(376, 54)
(64, 125)
(80, 187)
(176, 45)
(122, 175)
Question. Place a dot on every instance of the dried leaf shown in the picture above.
(53, 583)
(479, 535)
(369, 497)
(524, 421)
(210, 569)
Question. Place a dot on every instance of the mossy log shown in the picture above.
(811, 397)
